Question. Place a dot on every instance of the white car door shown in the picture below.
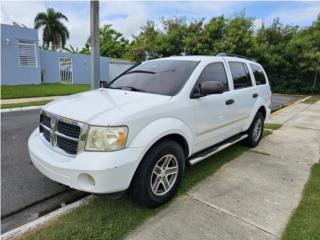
(214, 113)
(244, 94)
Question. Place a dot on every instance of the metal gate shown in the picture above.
(65, 69)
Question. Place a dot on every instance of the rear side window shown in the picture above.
(240, 75)
(214, 72)
(258, 74)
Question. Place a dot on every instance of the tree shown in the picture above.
(112, 43)
(71, 49)
(142, 46)
(55, 33)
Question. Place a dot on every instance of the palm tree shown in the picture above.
(54, 31)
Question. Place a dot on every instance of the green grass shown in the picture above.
(312, 99)
(305, 221)
(272, 126)
(25, 104)
(113, 219)
(41, 90)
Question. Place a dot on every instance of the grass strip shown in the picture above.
(305, 221)
(41, 90)
(25, 104)
(113, 219)
(312, 99)
(272, 126)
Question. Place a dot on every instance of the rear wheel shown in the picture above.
(159, 175)
(255, 131)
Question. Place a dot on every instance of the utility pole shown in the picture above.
(95, 44)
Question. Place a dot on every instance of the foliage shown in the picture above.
(112, 43)
(55, 33)
(71, 49)
(289, 54)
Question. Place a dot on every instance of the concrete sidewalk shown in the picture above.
(251, 197)
(25, 100)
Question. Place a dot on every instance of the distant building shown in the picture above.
(23, 62)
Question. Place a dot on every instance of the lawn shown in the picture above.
(312, 99)
(305, 221)
(113, 219)
(272, 126)
(41, 90)
(25, 104)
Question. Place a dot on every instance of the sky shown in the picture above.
(128, 17)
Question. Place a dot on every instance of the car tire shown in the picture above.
(159, 175)
(255, 131)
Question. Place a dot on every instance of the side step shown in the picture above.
(198, 157)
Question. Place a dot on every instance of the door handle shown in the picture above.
(255, 95)
(229, 102)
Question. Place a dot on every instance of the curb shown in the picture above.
(283, 106)
(19, 231)
(20, 109)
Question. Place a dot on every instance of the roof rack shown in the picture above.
(222, 54)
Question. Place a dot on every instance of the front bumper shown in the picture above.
(96, 172)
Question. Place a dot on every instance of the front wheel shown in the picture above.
(255, 131)
(159, 174)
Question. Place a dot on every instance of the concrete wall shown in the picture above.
(80, 67)
(118, 66)
(48, 61)
(11, 71)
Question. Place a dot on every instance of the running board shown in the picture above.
(217, 148)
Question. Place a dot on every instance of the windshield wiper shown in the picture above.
(132, 89)
(140, 71)
(128, 88)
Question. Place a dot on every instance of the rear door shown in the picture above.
(213, 117)
(244, 94)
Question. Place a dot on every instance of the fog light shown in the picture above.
(86, 181)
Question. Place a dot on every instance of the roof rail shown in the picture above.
(222, 54)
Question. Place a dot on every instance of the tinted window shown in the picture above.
(214, 72)
(165, 77)
(258, 74)
(240, 75)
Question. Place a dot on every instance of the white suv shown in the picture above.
(140, 131)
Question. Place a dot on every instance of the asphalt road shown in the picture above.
(22, 184)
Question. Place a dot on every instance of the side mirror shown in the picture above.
(211, 87)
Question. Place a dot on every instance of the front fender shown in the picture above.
(159, 129)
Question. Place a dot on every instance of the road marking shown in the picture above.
(290, 104)
(19, 231)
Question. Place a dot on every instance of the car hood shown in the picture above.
(104, 106)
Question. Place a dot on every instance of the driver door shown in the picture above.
(214, 114)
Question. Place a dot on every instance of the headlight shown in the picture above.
(106, 138)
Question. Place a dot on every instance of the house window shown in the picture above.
(27, 54)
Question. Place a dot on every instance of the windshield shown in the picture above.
(165, 77)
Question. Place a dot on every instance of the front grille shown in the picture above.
(68, 145)
(68, 129)
(60, 133)
(45, 120)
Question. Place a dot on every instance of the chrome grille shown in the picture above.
(61, 132)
